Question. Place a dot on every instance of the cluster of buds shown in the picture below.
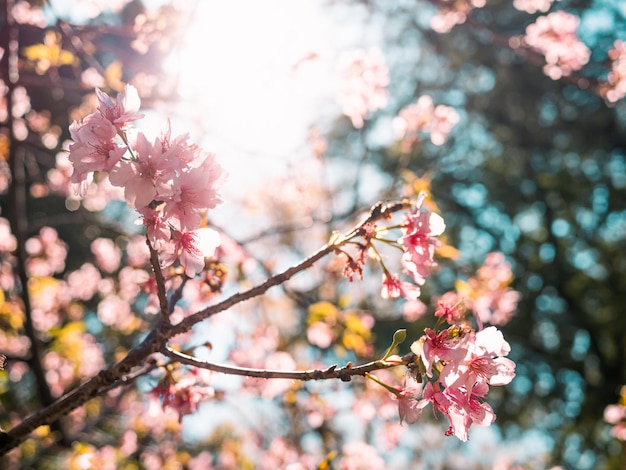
(168, 181)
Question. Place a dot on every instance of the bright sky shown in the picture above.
(254, 76)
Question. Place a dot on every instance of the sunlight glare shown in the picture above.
(254, 76)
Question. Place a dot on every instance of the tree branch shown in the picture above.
(344, 373)
(378, 212)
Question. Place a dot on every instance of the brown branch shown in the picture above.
(344, 373)
(378, 212)
(97, 385)
(160, 282)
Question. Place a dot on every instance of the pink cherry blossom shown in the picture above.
(146, 176)
(184, 395)
(419, 231)
(434, 347)
(533, 6)
(158, 230)
(484, 361)
(409, 404)
(123, 109)
(194, 191)
(450, 309)
(94, 148)
(465, 409)
(191, 248)
(393, 288)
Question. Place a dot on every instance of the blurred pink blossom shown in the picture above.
(363, 88)
(616, 415)
(25, 13)
(46, 253)
(413, 310)
(554, 36)
(453, 12)
(533, 6)
(615, 87)
(358, 455)
(393, 288)
(8, 243)
(320, 334)
(107, 254)
(423, 117)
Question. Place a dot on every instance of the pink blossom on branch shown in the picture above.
(123, 109)
(94, 148)
(171, 183)
(393, 288)
(420, 229)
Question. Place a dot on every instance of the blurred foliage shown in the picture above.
(536, 169)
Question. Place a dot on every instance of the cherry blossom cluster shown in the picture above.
(423, 117)
(418, 242)
(454, 369)
(615, 87)
(168, 181)
(363, 88)
(554, 36)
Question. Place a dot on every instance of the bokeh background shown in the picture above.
(534, 167)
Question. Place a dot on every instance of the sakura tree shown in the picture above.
(141, 327)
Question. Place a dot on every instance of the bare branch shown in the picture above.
(378, 212)
(344, 373)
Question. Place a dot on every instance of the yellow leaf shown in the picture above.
(448, 251)
(49, 54)
(463, 288)
(113, 75)
(321, 310)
